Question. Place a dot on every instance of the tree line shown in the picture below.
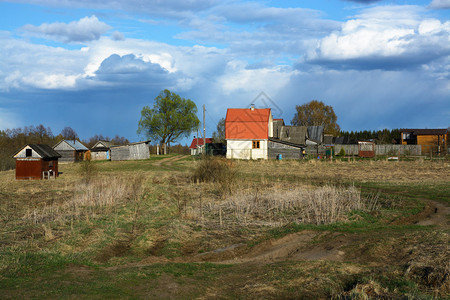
(12, 140)
(385, 136)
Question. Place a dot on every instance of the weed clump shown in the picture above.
(216, 170)
(87, 170)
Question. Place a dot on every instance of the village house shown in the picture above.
(247, 132)
(133, 151)
(70, 150)
(197, 145)
(36, 161)
(431, 140)
(252, 133)
(101, 150)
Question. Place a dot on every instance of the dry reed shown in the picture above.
(276, 206)
(91, 198)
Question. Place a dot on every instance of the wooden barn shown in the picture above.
(133, 151)
(101, 150)
(36, 161)
(70, 150)
(431, 140)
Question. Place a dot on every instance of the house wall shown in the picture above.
(67, 155)
(32, 168)
(430, 143)
(286, 151)
(130, 152)
(22, 153)
(99, 155)
(63, 146)
(242, 149)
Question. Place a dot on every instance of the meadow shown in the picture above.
(177, 227)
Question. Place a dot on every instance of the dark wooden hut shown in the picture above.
(36, 161)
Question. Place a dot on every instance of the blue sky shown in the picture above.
(93, 65)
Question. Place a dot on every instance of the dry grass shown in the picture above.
(277, 206)
(98, 196)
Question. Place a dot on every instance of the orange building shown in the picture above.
(432, 140)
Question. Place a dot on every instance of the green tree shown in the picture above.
(170, 118)
(219, 135)
(316, 113)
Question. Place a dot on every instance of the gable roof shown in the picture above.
(426, 131)
(247, 124)
(44, 151)
(103, 144)
(199, 141)
(294, 134)
(76, 145)
(315, 133)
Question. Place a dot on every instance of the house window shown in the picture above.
(28, 152)
(255, 145)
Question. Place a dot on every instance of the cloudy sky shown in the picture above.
(94, 64)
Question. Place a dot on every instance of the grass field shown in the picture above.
(173, 227)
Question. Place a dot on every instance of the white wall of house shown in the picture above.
(242, 149)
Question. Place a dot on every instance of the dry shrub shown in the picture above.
(322, 205)
(216, 170)
(90, 198)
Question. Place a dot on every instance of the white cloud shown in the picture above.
(440, 4)
(385, 37)
(85, 30)
(238, 78)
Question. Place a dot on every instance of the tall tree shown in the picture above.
(170, 118)
(316, 113)
(219, 135)
(69, 134)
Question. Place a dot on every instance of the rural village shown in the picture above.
(303, 213)
(250, 133)
(226, 150)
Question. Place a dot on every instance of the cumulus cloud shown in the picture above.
(85, 30)
(384, 38)
(440, 4)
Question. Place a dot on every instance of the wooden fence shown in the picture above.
(391, 150)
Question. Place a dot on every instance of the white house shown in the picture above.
(247, 131)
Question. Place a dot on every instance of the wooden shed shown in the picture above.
(36, 161)
(70, 150)
(133, 151)
(366, 149)
(101, 150)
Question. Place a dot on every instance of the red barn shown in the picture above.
(36, 161)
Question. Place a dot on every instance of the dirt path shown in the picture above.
(167, 162)
(312, 245)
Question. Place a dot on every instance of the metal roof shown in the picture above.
(315, 133)
(247, 124)
(199, 142)
(426, 131)
(76, 145)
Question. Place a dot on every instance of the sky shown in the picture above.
(94, 64)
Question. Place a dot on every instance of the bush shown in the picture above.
(342, 152)
(87, 170)
(217, 170)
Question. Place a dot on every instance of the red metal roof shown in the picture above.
(199, 141)
(247, 124)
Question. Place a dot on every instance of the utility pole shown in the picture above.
(204, 130)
